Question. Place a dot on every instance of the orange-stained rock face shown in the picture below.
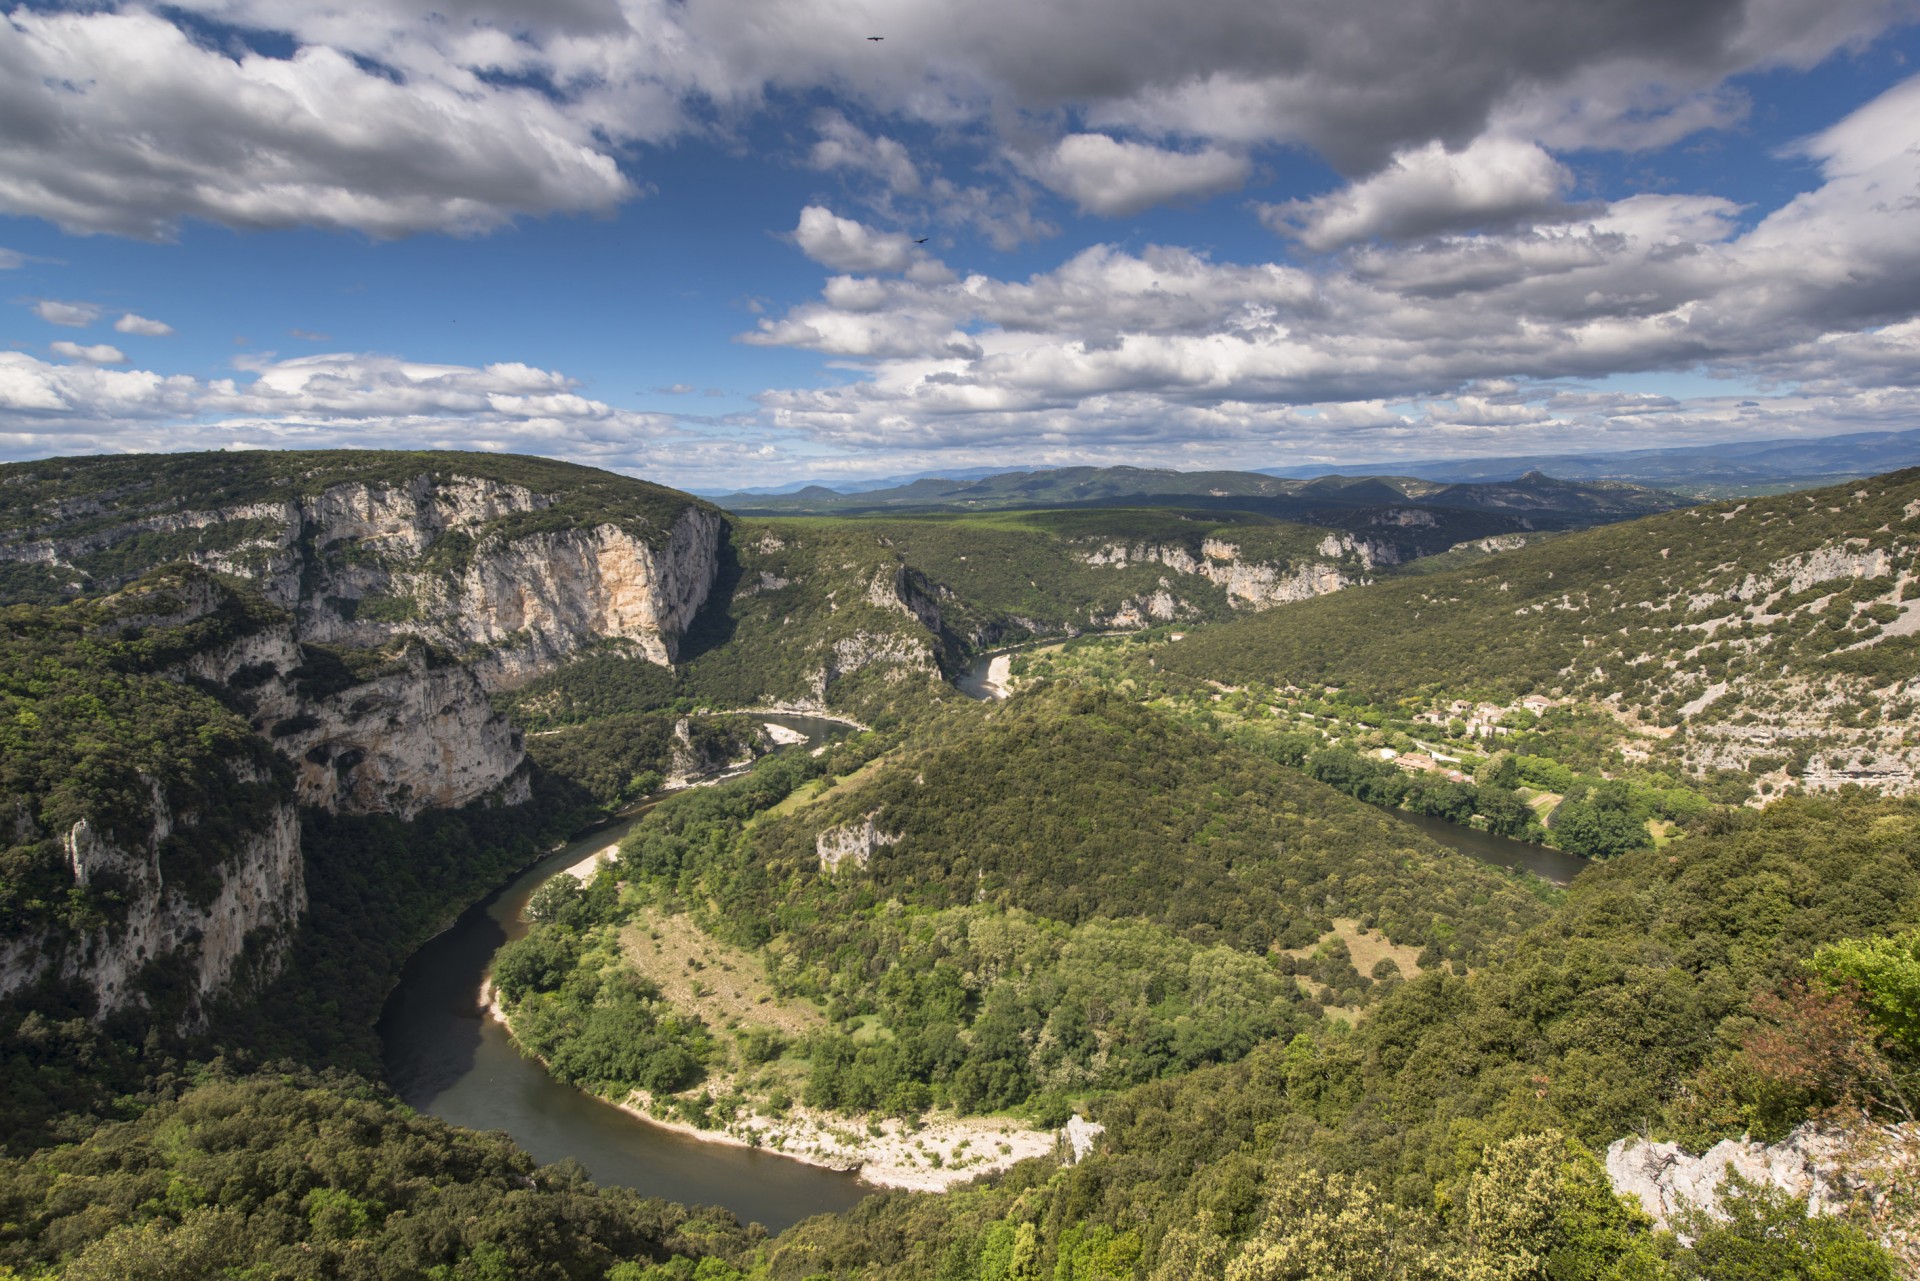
(538, 599)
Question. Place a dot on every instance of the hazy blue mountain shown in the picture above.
(1744, 466)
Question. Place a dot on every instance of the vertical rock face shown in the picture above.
(1248, 583)
(901, 589)
(496, 571)
(534, 601)
(413, 735)
(422, 738)
(524, 603)
(260, 891)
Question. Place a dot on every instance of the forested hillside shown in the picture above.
(1145, 889)
(1647, 1001)
(1779, 635)
(1065, 896)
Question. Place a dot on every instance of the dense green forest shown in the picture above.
(1147, 889)
(1066, 895)
(295, 1174)
(1649, 1000)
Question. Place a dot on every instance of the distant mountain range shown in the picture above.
(1532, 501)
(1701, 471)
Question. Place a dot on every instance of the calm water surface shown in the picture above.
(1556, 866)
(444, 1057)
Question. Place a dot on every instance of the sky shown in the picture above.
(730, 243)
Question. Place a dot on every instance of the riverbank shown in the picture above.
(999, 675)
(811, 713)
(938, 1153)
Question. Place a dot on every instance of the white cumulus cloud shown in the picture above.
(142, 326)
(847, 244)
(74, 315)
(94, 354)
(119, 122)
(1493, 182)
(1116, 177)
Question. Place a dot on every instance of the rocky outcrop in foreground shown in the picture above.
(1667, 1181)
(1871, 1171)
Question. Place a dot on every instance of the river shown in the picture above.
(1554, 866)
(446, 1058)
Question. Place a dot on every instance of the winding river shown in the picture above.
(445, 1057)
(1557, 867)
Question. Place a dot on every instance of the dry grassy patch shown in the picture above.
(820, 790)
(694, 971)
(1372, 947)
(1367, 948)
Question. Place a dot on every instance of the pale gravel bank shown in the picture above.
(942, 1153)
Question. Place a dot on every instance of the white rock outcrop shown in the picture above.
(1666, 1180)
(1141, 611)
(901, 656)
(261, 893)
(1076, 1139)
(1252, 584)
(851, 842)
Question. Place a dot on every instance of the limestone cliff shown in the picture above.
(198, 925)
(407, 732)
(1248, 583)
(531, 603)
(513, 564)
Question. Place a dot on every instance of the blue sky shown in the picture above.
(677, 237)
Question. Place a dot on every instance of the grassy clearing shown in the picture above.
(695, 971)
(819, 789)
